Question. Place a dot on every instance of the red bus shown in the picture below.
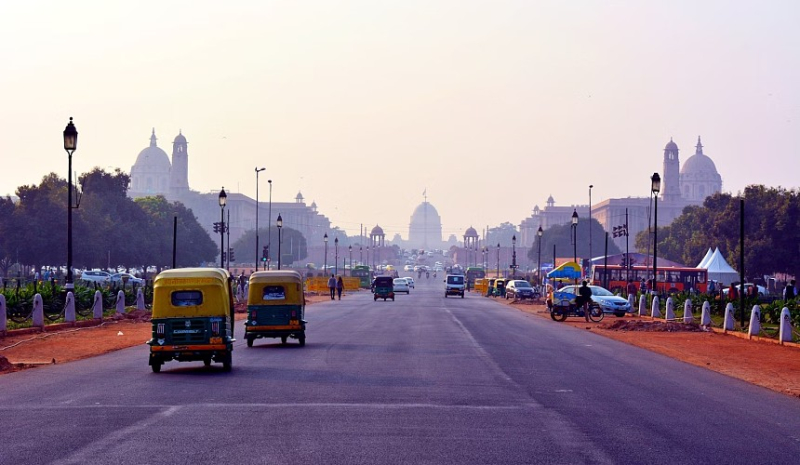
(670, 279)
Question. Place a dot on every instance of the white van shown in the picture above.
(454, 285)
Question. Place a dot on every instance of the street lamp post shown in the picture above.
(325, 260)
(223, 199)
(361, 254)
(498, 260)
(70, 144)
(350, 249)
(655, 187)
(575, 238)
(336, 256)
(258, 170)
(590, 222)
(539, 234)
(279, 224)
(514, 256)
(269, 226)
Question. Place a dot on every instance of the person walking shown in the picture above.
(339, 287)
(332, 286)
(631, 288)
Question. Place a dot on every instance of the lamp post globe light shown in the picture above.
(361, 254)
(70, 144)
(336, 256)
(223, 199)
(575, 238)
(514, 256)
(258, 170)
(325, 260)
(655, 187)
(539, 234)
(279, 224)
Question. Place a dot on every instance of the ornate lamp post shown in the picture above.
(269, 226)
(575, 238)
(279, 224)
(223, 199)
(350, 249)
(361, 254)
(539, 234)
(498, 260)
(514, 256)
(590, 222)
(336, 256)
(655, 187)
(70, 144)
(258, 170)
(325, 261)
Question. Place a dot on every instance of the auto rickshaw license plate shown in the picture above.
(294, 322)
(215, 340)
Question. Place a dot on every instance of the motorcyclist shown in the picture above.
(583, 298)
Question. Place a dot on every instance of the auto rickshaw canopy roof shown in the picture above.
(279, 287)
(211, 283)
(565, 272)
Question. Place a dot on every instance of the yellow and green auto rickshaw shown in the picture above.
(275, 306)
(192, 317)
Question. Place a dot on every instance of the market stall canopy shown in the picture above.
(719, 270)
(565, 271)
(705, 259)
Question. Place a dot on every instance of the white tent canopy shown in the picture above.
(705, 259)
(719, 270)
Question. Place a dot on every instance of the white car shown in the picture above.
(400, 285)
(408, 268)
(96, 276)
(126, 278)
(410, 281)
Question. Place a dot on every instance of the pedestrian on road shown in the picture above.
(339, 287)
(332, 286)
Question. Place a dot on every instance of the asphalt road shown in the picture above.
(420, 380)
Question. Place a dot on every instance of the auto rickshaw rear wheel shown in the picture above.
(156, 366)
(227, 363)
(207, 362)
(302, 340)
(283, 339)
(249, 341)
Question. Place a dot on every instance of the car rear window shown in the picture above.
(187, 298)
(273, 293)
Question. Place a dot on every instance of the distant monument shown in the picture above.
(425, 228)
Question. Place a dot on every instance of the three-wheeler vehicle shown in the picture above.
(499, 287)
(275, 306)
(192, 317)
(565, 304)
(383, 288)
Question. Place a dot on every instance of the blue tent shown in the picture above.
(566, 271)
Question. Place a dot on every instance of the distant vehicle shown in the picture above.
(96, 276)
(401, 285)
(410, 281)
(454, 285)
(762, 291)
(126, 278)
(520, 289)
(670, 279)
(408, 268)
(362, 272)
(473, 273)
(609, 302)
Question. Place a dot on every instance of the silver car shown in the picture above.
(609, 302)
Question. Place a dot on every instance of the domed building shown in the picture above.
(154, 174)
(699, 177)
(425, 228)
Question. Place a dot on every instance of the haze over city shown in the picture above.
(489, 107)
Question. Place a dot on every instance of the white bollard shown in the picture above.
(688, 317)
(786, 325)
(755, 321)
(655, 311)
(69, 310)
(670, 313)
(120, 302)
(729, 321)
(97, 305)
(642, 305)
(38, 311)
(3, 317)
(140, 299)
(705, 319)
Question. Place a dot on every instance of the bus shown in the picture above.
(670, 279)
(473, 273)
(362, 272)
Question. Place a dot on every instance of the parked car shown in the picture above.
(762, 291)
(609, 302)
(410, 281)
(126, 278)
(401, 285)
(96, 276)
(520, 289)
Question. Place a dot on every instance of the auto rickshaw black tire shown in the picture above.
(392, 299)
(302, 340)
(207, 362)
(156, 366)
(596, 314)
(249, 342)
(283, 339)
(558, 316)
(462, 295)
(227, 363)
(376, 298)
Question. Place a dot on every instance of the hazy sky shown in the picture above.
(361, 105)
